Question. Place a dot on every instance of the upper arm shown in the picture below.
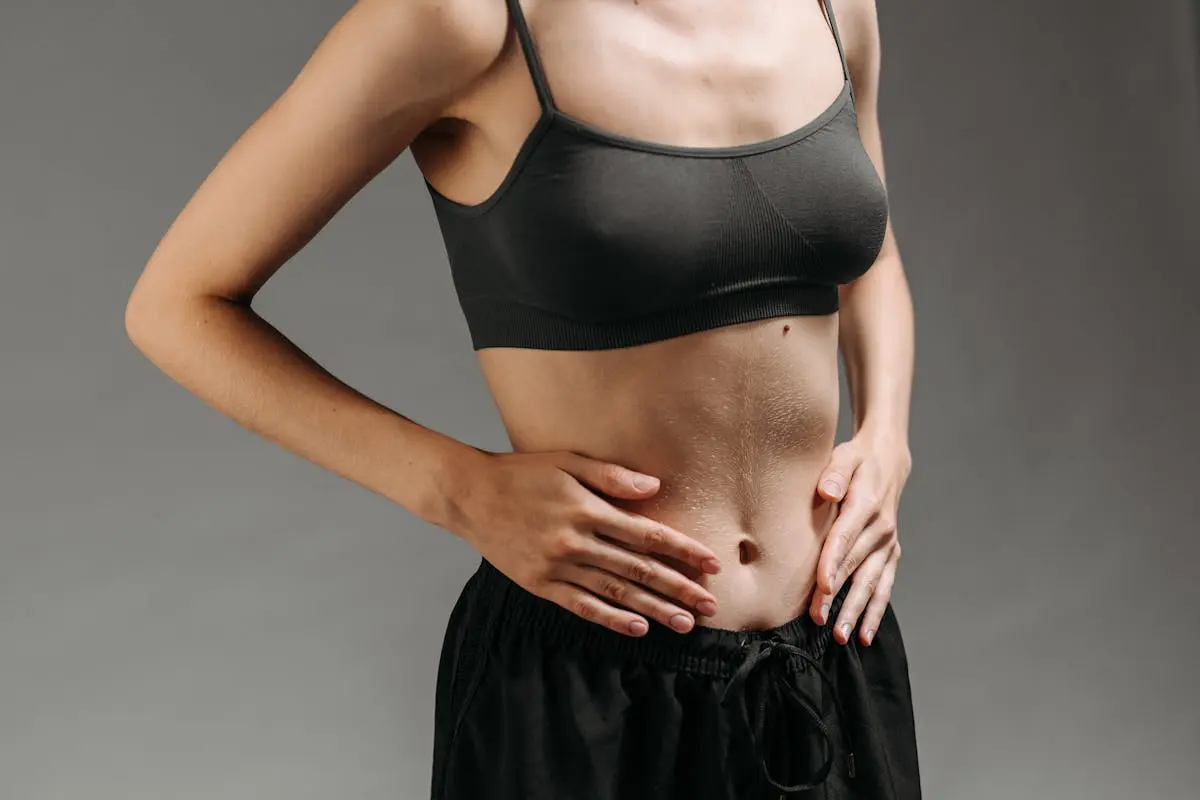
(384, 72)
(859, 24)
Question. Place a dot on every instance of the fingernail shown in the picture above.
(846, 629)
(638, 627)
(706, 607)
(681, 623)
(711, 566)
(824, 613)
(869, 635)
(831, 487)
(643, 482)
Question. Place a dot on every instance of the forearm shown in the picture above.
(237, 362)
(877, 342)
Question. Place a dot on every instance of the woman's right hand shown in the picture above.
(541, 519)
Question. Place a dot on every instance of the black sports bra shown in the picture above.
(596, 240)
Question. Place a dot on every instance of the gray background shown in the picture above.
(187, 611)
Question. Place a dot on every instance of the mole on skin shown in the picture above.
(786, 328)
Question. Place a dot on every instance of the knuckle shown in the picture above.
(842, 539)
(585, 609)
(612, 474)
(613, 589)
(533, 575)
(654, 537)
(564, 545)
(580, 518)
(642, 571)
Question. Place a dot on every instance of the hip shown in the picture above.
(535, 702)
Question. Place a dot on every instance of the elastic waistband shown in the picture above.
(513, 611)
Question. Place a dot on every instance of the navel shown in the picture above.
(747, 551)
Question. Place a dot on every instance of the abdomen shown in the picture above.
(736, 422)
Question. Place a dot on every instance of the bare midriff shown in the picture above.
(736, 422)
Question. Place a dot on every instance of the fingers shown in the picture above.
(843, 463)
(878, 536)
(867, 581)
(843, 536)
(650, 536)
(627, 594)
(819, 605)
(588, 606)
(641, 533)
(644, 571)
(611, 479)
(880, 599)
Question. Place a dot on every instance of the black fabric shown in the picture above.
(534, 703)
(597, 240)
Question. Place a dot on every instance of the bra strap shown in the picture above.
(531, 56)
(837, 37)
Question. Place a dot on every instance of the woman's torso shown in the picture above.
(736, 420)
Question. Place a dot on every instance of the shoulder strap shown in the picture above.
(837, 37)
(531, 56)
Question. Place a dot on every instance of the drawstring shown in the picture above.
(759, 652)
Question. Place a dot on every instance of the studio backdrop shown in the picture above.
(187, 611)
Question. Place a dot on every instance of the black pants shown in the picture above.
(534, 703)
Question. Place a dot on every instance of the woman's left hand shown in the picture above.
(866, 475)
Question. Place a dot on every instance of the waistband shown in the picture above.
(777, 655)
(514, 611)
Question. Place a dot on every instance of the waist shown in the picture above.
(751, 497)
(512, 612)
(737, 423)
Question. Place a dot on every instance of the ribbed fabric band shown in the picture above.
(497, 322)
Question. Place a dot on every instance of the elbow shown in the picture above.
(155, 316)
(166, 313)
(138, 319)
(146, 312)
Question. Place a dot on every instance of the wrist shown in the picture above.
(887, 437)
(453, 472)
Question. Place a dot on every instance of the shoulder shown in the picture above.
(858, 23)
(439, 45)
(470, 27)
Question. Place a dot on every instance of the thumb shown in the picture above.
(611, 479)
(836, 477)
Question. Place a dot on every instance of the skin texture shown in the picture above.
(732, 427)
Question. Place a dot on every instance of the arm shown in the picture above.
(867, 474)
(384, 72)
(876, 319)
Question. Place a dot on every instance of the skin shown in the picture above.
(732, 428)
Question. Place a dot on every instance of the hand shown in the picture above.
(866, 475)
(535, 518)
